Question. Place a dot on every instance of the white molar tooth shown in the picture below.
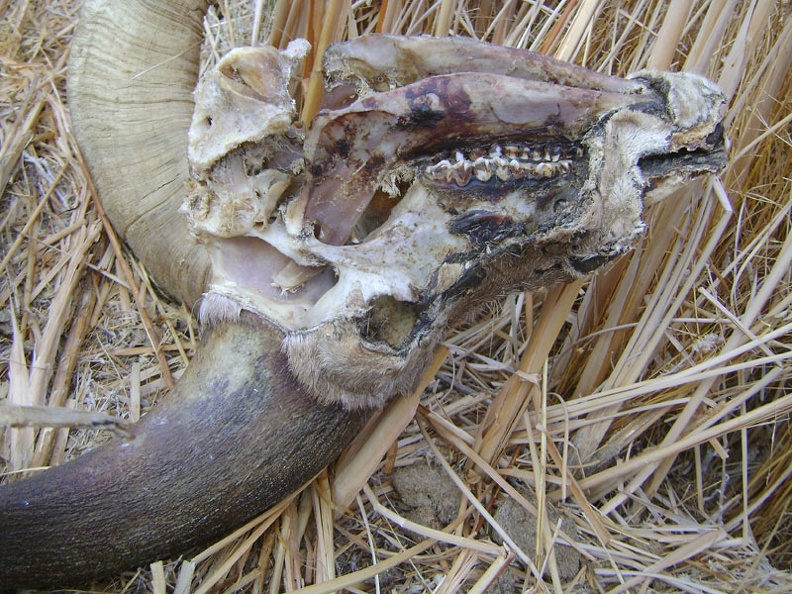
(545, 169)
(503, 172)
(565, 165)
(495, 150)
(482, 169)
(512, 151)
(441, 168)
(459, 156)
(430, 172)
(477, 153)
(438, 171)
(556, 152)
(530, 154)
(460, 173)
(483, 175)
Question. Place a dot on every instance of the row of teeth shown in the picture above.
(511, 162)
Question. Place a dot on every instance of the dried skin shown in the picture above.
(382, 62)
(441, 174)
(351, 151)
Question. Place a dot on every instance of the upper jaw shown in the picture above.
(425, 186)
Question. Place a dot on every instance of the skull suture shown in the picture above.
(440, 174)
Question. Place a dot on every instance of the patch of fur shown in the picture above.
(336, 365)
(217, 309)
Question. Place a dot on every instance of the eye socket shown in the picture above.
(339, 97)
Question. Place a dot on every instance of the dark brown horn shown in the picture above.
(199, 465)
(206, 461)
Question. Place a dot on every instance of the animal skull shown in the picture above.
(438, 175)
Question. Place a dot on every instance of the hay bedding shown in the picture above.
(642, 417)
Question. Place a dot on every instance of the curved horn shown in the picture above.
(192, 469)
(131, 77)
(206, 461)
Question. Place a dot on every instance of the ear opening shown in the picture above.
(390, 321)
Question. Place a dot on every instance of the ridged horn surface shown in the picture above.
(133, 69)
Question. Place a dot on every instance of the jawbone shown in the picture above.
(440, 174)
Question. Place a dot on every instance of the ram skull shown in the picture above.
(439, 175)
